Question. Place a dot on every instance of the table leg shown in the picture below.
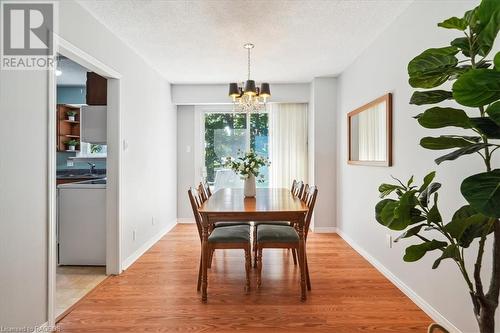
(302, 261)
(204, 259)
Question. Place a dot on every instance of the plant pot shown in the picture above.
(249, 187)
(72, 148)
(71, 118)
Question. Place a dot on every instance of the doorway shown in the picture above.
(84, 141)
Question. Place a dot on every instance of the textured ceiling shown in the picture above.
(201, 41)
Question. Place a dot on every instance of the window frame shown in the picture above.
(199, 135)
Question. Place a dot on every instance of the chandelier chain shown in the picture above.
(248, 63)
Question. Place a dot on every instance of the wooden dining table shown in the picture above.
(269, 204)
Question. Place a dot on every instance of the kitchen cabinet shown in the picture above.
(67, 129)
(97, 89)
(93, 119)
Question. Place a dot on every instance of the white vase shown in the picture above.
(71, 118)
(71, 148)
(249, 186)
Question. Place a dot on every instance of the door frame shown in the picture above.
(113, 167)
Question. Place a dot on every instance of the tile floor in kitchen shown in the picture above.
(74, 282)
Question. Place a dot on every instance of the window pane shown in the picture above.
(259, 141)
(225, 133)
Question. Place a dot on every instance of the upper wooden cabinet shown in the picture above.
(67, 129)
(97, 89)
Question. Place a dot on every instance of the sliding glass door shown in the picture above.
(227, 133)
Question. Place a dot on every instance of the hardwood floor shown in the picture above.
(158, 293)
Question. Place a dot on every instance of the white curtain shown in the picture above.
(287, 143)
(372, 134)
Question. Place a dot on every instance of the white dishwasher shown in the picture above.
(82, 223)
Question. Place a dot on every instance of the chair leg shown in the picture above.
(198, 287)
(294, 255)
(308, 279)
(259, 267)
(248, 267)
(210, 258)
(254, 246)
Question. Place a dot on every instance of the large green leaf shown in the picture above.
(494, 112)
(430, 97)
(477, 87)
(427, 180)
(488, 14)
(450, 252)
(438, 117)
(410, 232)
(474, 148)
(482, 191)
(496, 61)
(432, 67)
(434, 216)
(463, 44)
(386, 189)
(444, 142)
(487, 126)
(426, 194)
(467, 224)
(404, 210)
(454, 23)
(384, 213)
(416, 252)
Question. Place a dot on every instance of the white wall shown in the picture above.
(381, 69)
(193, 94)
(149, 166)
(185, 159)
(23, 198)
(323, 150)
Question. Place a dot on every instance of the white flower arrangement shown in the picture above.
(247, 164)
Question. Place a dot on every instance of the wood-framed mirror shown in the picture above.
(370, 133)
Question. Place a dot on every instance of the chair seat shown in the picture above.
(230, 234)
(276, 234)
(272, 223)
(228, 224)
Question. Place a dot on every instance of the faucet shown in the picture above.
(91, 167)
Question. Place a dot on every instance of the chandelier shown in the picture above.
(248, 97)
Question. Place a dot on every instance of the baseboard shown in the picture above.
(419, 301)
(182, 220)
(146, 246)
(324, 230)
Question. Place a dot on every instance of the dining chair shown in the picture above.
(296, 189)
(227, 237)
(285, 237)
(208, 191)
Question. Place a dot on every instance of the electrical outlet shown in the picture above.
(133, 235)
(388, 241)
(153, 222)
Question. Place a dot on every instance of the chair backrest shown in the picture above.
(304, 192)
(208, 191)
(294, 184)
(299, 188)
(310, 200)
(195, 205)
(202, 192)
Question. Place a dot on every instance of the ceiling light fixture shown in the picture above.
(58, 72)
(248, 97)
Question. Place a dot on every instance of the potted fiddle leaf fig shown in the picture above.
(474, 77)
